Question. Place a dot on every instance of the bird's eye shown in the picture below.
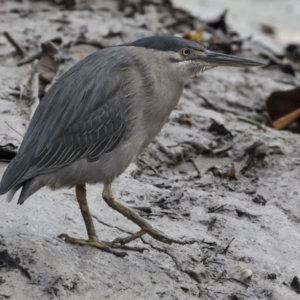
(185, 52)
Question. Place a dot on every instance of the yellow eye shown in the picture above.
(185, 52)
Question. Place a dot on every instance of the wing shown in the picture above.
(82, 115)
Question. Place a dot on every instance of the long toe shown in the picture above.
(93, 243)
(158, 235)
(126, 240)
(124, 247)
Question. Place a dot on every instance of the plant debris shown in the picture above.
(295, 284)
(288, 61)
(216, 208)
(230, 174)
(259, 200)
(7, 261)
(219, 128)
(272, 276)
(283, 108)
(225, 250)
(167, 200)
(7, 152)
(256, 155)
(20, 50)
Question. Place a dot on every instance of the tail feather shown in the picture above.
(12, 192)
(12, 176)
(29, 187)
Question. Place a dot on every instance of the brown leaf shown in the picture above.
(230, 174)
(267, 29)
(286, 120)
(195, 35)
(284, 104)
(7, 152)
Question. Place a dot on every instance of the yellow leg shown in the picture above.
(93, 240)
(137, 219)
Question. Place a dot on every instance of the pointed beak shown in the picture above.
(215, 59)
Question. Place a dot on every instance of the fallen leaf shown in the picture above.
(195, 35)
(295, 284)
(230, 174)
(6, 260)
(280, 103)
(7, 152)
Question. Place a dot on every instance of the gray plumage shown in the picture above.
(103, 112)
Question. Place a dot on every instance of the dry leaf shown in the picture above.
(230, 174)
(195, 35)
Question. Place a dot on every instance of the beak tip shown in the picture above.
(257, 64)
(231, 61)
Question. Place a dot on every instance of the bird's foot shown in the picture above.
(92, 242)
(138, 220)
(156, 234)
(102, 245)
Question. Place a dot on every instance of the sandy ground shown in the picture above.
(266, 237)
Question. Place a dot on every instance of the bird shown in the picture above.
(99, 117)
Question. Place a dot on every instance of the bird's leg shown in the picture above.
(85, 211)
(93, 240)
(137, 219)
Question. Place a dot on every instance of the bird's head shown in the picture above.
(186, 58)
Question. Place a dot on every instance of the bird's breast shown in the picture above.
(157, 107)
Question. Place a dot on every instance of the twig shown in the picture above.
(221, 275)
(62, 20)
(29, 59)
(211, 106)
(242, 294)
(91, 43)
(211, 224)
(216, 208)
(227, 247)
(20, 50)
(286, 120)
(51, 289)
(34, 97)
(152, 215)
(4, 296)
(239, 281)
(196, 167)
(178, 265)
(210, 261)
(176, 145)
(252, 122)
(13, 129)
(150, 167)
(145, 209)
(57, 41)
(111, 226)
(221, 150)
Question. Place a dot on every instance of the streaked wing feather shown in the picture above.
(82, 115)
(82, 139)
